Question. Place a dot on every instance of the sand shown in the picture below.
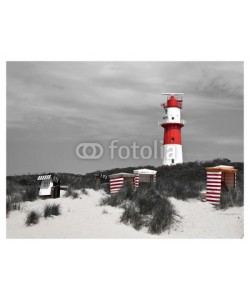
(83, 217)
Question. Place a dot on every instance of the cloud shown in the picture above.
(63, 103)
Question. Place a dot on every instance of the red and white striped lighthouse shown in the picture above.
(172, 124)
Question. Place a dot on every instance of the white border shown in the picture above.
(131, 30)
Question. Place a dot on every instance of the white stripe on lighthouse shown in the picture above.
(172, 154)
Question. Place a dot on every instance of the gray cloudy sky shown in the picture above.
(54, 106)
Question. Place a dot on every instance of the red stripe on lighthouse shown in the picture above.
(172, 133)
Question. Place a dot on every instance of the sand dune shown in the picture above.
(84, 218)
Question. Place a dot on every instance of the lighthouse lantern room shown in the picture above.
(172, 124)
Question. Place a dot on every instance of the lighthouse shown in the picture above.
(172, 124)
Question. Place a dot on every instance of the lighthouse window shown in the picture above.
(172, 118)
(172, 139)
(172, 161)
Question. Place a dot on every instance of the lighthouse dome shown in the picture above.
(172, 102)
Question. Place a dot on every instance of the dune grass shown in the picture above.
(143, 208)
(32, 218)
(230, 198)
(50, 210)
(71, 193)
